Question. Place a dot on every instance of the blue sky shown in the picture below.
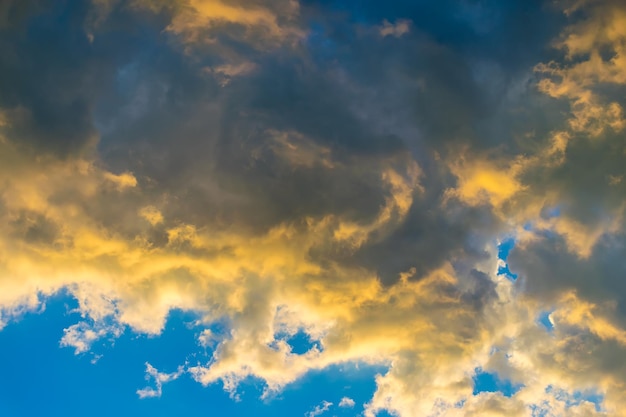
(313, 208)
(67, 385)
(58, 372)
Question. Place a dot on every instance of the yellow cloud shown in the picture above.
(195, 20)
(585, 43)
(423, 329)
(575, 312)
(397, 205)
(484, 181)
(128, 260)
(121, 181)
(151, 214)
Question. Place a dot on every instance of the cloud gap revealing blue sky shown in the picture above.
(491, 382)
(504, 248)
(313, 208)
(52, 376)
(544, 319)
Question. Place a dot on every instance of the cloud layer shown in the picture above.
(334, 169)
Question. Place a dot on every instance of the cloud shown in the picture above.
(563, 167)
(159, 378)
(346, 402)
(151, 214)
(81, 336)
(240, 162)
(319, 409)
(196, 21)
(397, 30)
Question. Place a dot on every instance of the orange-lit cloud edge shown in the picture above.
(426, 328)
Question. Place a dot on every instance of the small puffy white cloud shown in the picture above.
(82, 335)
(346, 402)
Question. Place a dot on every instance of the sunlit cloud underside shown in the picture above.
(412, 208)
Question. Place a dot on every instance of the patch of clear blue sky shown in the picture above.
(39, 378)
(491, 382)
(504, 249)
(544, 320)
(577, 397)
(592, 397)
(300, 342)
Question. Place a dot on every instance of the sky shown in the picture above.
(313, 208)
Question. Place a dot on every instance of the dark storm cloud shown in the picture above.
(47, 72)
(34, 228)
(204, 148)
(547, 269)
(589, 182)
(54, 73)
(365, 98)
(463, 69)
(425, 240)
(583, 195)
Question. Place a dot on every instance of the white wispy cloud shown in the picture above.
(159, 378)
(319, 409)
